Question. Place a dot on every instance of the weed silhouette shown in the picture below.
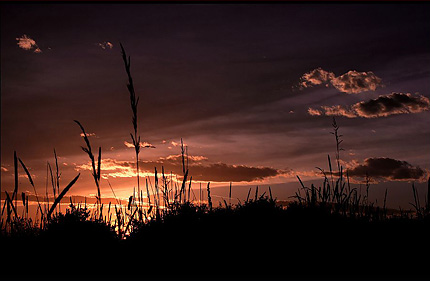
(330, 231)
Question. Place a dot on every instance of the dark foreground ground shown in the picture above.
(258, 241)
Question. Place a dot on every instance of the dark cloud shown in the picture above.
(383, 106)
(387, 169)
(395, 103)
(215, 172)
(221, 172)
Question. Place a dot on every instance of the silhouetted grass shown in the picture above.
(134, 101)
(61, 195)
(330, 231)
(300, 240)
(96, 171)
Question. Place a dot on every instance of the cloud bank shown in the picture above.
(198, 169)
(395, 103)
(352, 82)
(387, 169)
(383, 106)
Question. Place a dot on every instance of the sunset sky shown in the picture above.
(251, 89)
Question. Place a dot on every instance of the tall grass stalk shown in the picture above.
(15, 166)
(338, 142)
(96, 171)
(61, 195)
(209, 197)
(133, 102)
(52, 181)
(57, 176)
(46, 188)
(32, 184)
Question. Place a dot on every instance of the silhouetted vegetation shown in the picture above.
(329, 231)
(255, 239)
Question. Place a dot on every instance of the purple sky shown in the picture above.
(251, 89)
